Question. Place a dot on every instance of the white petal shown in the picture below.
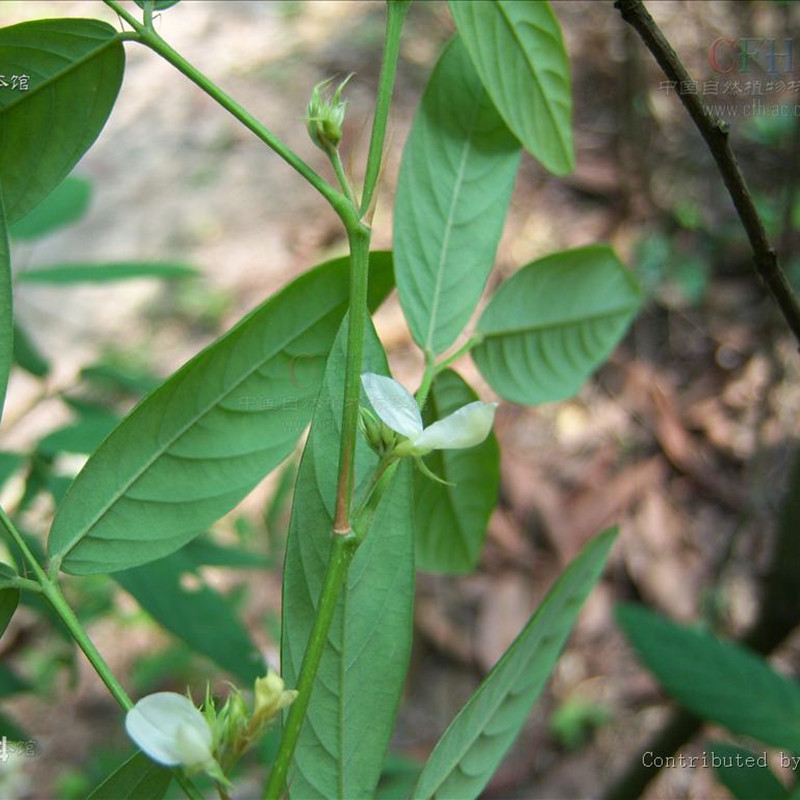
(153, 724)
(193, 745)
(468, 426)
(393, 404)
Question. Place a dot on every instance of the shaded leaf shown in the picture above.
(192, 449)
(719, 681)
(9, 600)
(158, 5)
(67, 203)
(11, 683)
(6, 306)
(552, 323)
(9, 464)
(107, 273)
(475, 742)
(451, 521)
(82, 437)
(75, 68)
(453, 192)
(199, 616)
(137, 779)
(519, 53)
(745, 779)
(352, 710)
(27, 356)
(11, 730)
(204, 551)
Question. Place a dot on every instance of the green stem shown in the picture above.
(359, 238)
(52, 592)
(341, 176)
(432, 368)
(396, 16)
(150, 38)
(342, 550)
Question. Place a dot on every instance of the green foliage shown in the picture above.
(137, 779)
(475, 742)
(27, 356)
(68, 274)
(453, 192)
(66, 204)
(451, 520)
(83, 436)
(719, 681)
(6, 310)
(198, 444)
(9, 597)
(574, 721)
(519, 53)
(45, 130)
(199, 616)
(742, 776)
(552, 323)
(351, 715)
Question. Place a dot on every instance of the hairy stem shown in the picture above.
(150, 38)
(396, 10)
(342, 550)
(715, 133)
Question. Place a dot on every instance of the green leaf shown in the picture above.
(199, 616)
(82, 437)
(67, 203)
(6, 305)
(9, 598)
(9, 464)
(67, 274)
(552, 323)
(475, 742)
(27, 356)
(191, 450)
(75, 68)
(11, 730)
(351, 714)
(743, 776)
(10, 683)
(519, 53)
(719, 681)
(451, 520)
(453, 192)
(158, 5)
(137, 779)
(204, 551)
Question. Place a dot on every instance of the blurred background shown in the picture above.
(685, 438)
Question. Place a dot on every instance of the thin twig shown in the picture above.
(715, 133)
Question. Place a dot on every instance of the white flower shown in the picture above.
(167, 727)
(467, 427)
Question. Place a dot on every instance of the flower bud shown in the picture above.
(270, 697)
(325, 116)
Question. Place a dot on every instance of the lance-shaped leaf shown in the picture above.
(73, 273)
(744, 775)
(357, 691)
(451, 519)
(719, 681)
(192, 449)
(27, 355)
(6, 308)
(199, 616)
(476, 741)
(552, 323)
(74, 70)
(453, 192)
(517, 48)
(9, 597)
(137, 779)
(65, 204)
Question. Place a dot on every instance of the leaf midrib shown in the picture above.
(537, 328)
(449, 223)
(193, 421)
(71, 67)
(565, 151)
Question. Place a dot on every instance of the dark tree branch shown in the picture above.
(715, 133)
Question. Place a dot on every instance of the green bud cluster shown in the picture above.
(325, 115)
(380, 437)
